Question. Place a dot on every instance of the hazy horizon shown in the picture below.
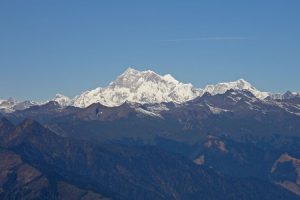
(60, 47)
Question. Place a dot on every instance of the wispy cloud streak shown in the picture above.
(206, 39)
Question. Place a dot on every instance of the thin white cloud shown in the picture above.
(206, 39)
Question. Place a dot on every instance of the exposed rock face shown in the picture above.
(19, 180)
(286, 172)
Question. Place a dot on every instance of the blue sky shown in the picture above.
(59, 46)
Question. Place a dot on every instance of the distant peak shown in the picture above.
(139, 87)
(243, 81)
(58, 95)
(132, 78)
(238, 84)
(289, 95)
(239, 81)
(62, 100)
(131, 70)
(170, 78)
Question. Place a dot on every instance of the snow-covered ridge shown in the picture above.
(62, 100)
(150, 87)
(12, 105)
(139, 87)
(145, 87)
(240, 84)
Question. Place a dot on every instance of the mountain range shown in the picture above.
(147, 136)
(38, 164)
(144, 87)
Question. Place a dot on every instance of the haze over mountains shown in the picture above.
(38, 164)
(147, 136)
(144, 87)
(216, 116)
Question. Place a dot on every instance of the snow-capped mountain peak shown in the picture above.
(170, 78)
(146, 87)
(223, 87)
(240, 84)
(140, 87)
(7, 105)
(150, 87)
(62, 100)
(132, 78)
(11, 105)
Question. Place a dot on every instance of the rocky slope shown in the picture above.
(38, 164)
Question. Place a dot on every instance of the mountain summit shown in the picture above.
(150, 87)
(62, 100)
(145, 87)
(140, 87)
(240, 84)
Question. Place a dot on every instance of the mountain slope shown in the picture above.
(122, 172)
(20, 180)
